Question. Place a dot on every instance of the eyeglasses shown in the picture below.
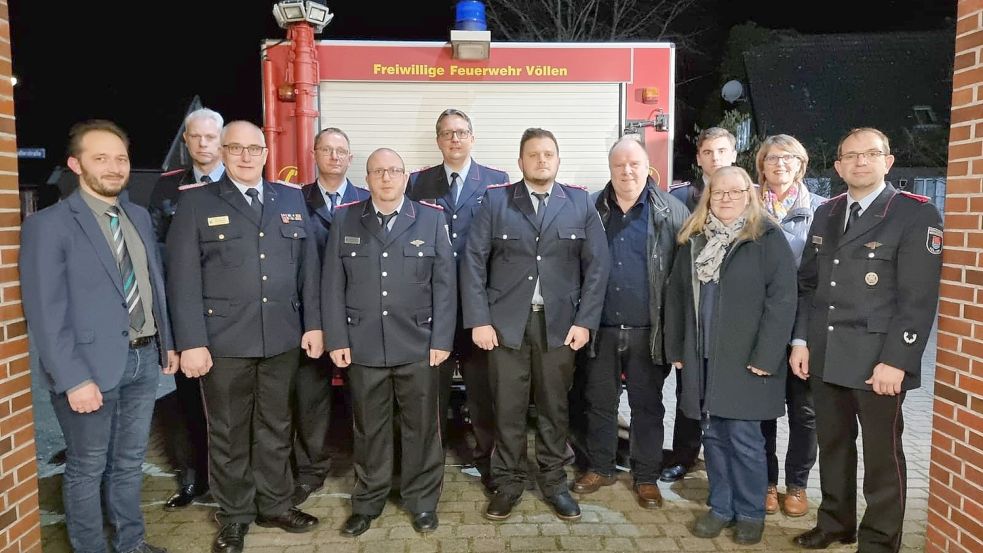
(237, 149)
(393, 172)
(448, 134)
(772, 159)
(872, 155)
(338, 152)
(735, 194)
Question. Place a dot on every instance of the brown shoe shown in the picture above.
(796, 503)
(592, 481)
(771, 499)
(648, 496)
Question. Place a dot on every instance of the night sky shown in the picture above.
(77, 60)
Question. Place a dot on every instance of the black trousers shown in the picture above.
(838, 410)
(247, 402)
(624, 351)
(802, 446)
(189, 433)
(312, 419)
(374, 390)
(546, 375)
(686, 433)
(473, 362)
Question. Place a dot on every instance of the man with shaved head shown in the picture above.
(389, 300)
(641, 222)
(244, 276)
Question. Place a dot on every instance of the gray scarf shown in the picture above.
(719, 237)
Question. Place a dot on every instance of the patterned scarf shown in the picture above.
(780, 208)
(719, 238)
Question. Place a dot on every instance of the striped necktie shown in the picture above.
(133, 302)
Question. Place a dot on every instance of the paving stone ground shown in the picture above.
(612, 521)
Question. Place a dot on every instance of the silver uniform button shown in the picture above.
(210, 311)
(871, 254)
(384, 293)
(836, 262)
(505, 237)
(221, 237)
(539, 258)
(353, 254)
(832, 284)
(454, 216)
(349, 319)
(385, 313)
(831, 308)
(385, 254)
(829, 328)
(295, 235)
(262, 256)
(384, 273)
(530, 278)
(573, 236)
(454, 235)
(420, 254)
(264, 277)
(265, 300)
(262, 234)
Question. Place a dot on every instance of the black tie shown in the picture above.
(206, 179)
(540, 207)
(854, 216)
(455, 187)
(254, 201)
(333, 196)
(384, 220)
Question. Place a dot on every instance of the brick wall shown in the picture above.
(955, 505)
(20, 529)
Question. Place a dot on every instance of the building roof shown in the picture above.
(819, 86)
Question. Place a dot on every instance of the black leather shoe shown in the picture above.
(302, 492)
(230, 538)
(357, 525)
(147, 548)
(184, 496)
(820, 539)
(293, 520)
(425, 522)
(564, 506)
(673, 473)
(500, 506)
(748, 532)
(709, 525)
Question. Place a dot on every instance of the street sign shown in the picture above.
(31, 153)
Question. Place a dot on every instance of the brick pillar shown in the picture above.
(20, 527)
(955, 504)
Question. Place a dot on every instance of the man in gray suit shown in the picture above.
(94, 299)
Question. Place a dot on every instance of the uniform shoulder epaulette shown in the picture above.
(339, 206)
(676, 185)
(917, 197)
(184, 187)
(173, 172)
(496, 169)
(422, 169)
(502, 185)
(577, 186)
(290, 185)
(428, 204)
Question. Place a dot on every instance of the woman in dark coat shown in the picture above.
(729, 314)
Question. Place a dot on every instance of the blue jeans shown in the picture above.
(736, 468)
(105, 452)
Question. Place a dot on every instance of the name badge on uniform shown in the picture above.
(287, 217)
(353, 240)
(216, 221)
(817, 240)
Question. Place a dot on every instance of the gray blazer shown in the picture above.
(73, 294)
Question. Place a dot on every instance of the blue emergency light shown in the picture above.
(470, 16)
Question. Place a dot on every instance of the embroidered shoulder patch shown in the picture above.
(933, 241)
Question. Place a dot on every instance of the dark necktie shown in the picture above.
(254, 201)
(206, 179)
(333, 198)
(384, 220)
(854, 216)
(455, 187)
(134, 305)
(540, 207)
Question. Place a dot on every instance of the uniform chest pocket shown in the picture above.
(574, 238)
(883, 252)
(419, 262)
(223, 243)
(296, 235)
(355, 260)
(505, 243)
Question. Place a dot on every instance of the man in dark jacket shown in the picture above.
(534, 278)
(312, 386)
(868, 291)
(641, 222)
(458, 185)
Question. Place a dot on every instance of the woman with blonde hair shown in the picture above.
(781, 162)
(729, 315)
